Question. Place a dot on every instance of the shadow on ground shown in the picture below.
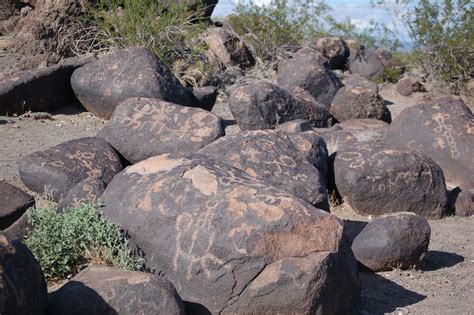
(381, 296)
(435, 260)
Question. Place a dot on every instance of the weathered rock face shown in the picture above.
(132, 72)
(87, 190)
(465, 200)
(42, 90)
(367, 64)
(106, 290)
(225, 49)
(376, 179)
(13, 203)
(204, 224)
(313, 148)
(310, 72)
(335, 50)
(398, 240)
(23, 286)
(271, 157)
(366, 129)
(57, 169)
(261, 105)
(141, 128)
(444, 131)
(359, 98)
(407, 85)
(295, 126)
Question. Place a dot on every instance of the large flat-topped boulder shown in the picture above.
(142, 127)
(253, 248)
(131, 72)
(376, 178)
(270, 156)
(57, 169)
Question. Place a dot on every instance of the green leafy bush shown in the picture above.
(442, 33)
(168, 29)
(63, 242)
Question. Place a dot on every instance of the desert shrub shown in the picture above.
(442, 33)
(168, 29)
(64, 242)
(280, 24)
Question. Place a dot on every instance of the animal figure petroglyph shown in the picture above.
(445, 135)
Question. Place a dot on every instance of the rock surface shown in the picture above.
(367, 64)
(408, 85)
(335, 50)
(131, 72)
(13, 203)
(42, 90)
(443, 130)
(23, 289)
(313, 148)
(366, 129)
(295, 126)
(57, 169)
(359, 98)
(141, 128)
(310, 72)
(226, 49)
(270, 156)
(261, 105)
(87, 190)
(252, 247)
(398, 240)
(99, 290)
(376, 179)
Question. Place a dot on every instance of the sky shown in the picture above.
(359, 11)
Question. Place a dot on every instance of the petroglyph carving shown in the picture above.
(444, 131)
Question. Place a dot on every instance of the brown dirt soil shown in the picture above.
(445, 285)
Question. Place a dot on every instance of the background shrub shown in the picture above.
(64, 242)
(168, 29)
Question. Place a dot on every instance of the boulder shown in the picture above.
(87, 190)
(335, 50)
(261, 105)
(13, 203)
(226, 49)
(295, 126)
(310, 72)
(376, 178)
(366, 129)
(443, 129)
(395, 240)
(99, 290)
(253, 247)
(367, 64)
(312, 147)
(407, 85)
(206, 96)
(142, 127)
(57, 169)
(385, 56)
(7, 9)
(464, 205)
(42, 90)
(359, 98)
(23, 289)
(131, 72)
(271, 157)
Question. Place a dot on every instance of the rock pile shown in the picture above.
(241, 223)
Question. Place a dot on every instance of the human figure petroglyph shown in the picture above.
(444, 131)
